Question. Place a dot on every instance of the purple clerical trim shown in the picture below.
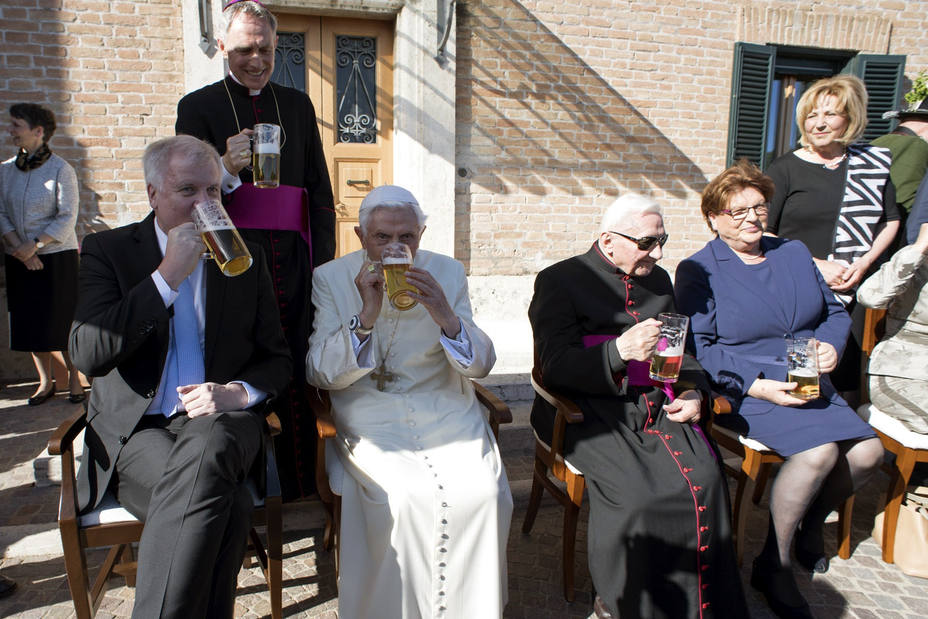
(283, 208)
(637, 372)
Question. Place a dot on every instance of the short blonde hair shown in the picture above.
(851, 95)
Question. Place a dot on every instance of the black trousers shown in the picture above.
(186, 479)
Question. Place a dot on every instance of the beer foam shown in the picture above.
(267, 149)
(803, 373)
(394, 260)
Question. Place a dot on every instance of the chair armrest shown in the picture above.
(321, 406)
(720, 405)
(565, 406)
(273, 423)
(64, 435)
(498, 409)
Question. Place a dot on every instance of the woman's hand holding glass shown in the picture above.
(827, 357)
(775, 391)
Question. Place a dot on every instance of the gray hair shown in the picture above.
(247, 7)
(625, 207)
(388, 196)
(158, 156)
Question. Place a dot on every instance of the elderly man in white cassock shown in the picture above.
(425, 501)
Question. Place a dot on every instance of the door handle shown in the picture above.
(352, 183)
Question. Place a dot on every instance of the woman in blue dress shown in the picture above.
(744, 293)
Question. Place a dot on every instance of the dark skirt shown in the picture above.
(42, 302)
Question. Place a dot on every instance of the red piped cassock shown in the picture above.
(659, 531)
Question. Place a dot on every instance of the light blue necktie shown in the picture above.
(185, 359)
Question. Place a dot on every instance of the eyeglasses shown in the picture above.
(645, 243)
(739, 214)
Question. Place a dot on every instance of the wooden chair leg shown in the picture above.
(575, 487)
(534, 501)
(75, 564)
(902, 471)
(760, 484)
(844, 528)
(274, 555)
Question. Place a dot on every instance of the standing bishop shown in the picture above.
(294, 223)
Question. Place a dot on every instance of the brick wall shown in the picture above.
(560, 110)
(112, 73)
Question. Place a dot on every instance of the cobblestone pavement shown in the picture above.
(863, 586)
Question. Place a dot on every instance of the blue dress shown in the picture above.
(739, 317)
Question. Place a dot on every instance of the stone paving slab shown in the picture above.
(862, 587)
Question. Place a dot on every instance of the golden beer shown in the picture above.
(806, 383)
(228, 250)
(398, 289)
(266, 168)
(666, 369)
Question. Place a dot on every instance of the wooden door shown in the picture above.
(348, 66)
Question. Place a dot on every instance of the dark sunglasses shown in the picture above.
(644, 243)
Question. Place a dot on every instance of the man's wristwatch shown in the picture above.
(355, 325)
(38, 244)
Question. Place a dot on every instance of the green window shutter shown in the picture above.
(883, 77)
(750, 94)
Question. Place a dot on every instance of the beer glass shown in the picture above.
(224, 243)
(396, 260)
(266, 155)
(668, 354)
(802, 367)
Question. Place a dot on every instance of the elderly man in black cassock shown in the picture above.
(659, 530)
(295, 223)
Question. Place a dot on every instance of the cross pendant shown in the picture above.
(382, 376)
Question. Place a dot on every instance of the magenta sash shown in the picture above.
(637, 372)
(283, 208)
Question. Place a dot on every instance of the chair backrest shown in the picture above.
(874, 329)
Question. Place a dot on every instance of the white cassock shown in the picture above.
(426, 504)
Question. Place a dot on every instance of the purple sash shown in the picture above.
(283, 208)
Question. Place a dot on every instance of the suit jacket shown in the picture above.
(738, 320)
(121, 330)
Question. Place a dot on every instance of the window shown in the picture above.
(769, 79)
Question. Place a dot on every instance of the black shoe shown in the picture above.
(813, 560)
(76, 398)
(780, 590)
(7, 586)
(38, 399)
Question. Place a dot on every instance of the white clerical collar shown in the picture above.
(253, 93)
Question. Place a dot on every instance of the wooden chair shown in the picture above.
(756, 462)
(498, 414)
(551, 458)
(110, 525)
(908, 447)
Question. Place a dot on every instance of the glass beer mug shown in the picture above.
(396, 260)
(668, 354)
(266, 155)
(223, 242)
(802, 367)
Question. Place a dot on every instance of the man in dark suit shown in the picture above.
(183, 359)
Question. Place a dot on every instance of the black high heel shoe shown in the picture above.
(779, 588)
(40, 398)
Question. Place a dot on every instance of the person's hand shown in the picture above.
(238, 152)
(774, 391)
(921, 241)
(638, 342)
(827, 356)
(853, 274)
(370, 284)
(832, 272)
(24, 251)
(183, 251)
(209, 398)
(685, 408)
(433, 299)
(34, 263)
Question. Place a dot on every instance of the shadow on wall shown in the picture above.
(535, 120)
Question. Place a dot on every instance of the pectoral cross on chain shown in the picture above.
(382, 376)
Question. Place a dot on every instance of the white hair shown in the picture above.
(627, 206)
(256, 10)
(388, 196)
